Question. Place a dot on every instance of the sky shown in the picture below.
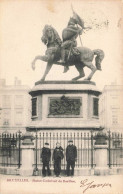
(22, 22)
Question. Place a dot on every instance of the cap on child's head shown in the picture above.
(46, 143)
(70, 140)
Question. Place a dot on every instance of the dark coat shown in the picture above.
(58, 153)
(45, 154)
(71, 152)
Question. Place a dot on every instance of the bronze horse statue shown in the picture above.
(53, 54)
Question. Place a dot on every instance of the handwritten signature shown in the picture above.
(89, 185)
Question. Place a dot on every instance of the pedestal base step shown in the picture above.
(101, 171)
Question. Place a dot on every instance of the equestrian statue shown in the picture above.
(65, 52)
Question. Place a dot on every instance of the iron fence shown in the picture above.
(115, 149)
(83, 142)
(11, 149)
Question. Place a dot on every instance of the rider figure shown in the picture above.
(69, 36)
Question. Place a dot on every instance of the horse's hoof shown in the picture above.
(86, 79)
(74, 79)
(65, 70)
(42, 80)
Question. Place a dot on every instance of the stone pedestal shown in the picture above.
(101, 155)
(63, 105)
(27, 155)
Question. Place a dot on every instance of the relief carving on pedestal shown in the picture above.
(64, 106)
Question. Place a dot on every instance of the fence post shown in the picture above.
(19, 136)
(101, 149)
(36, 159)
(27, 155)
(92, 149)
(109, 149)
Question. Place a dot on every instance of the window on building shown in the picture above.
(95, 107)
(114, 120)
(6, 117)
(34, 107)
(0, 116)
(19, 101)
(115, 102)
(6, 122)
(18, 117)
(114, 116)
(6, 99)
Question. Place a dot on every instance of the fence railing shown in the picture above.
(115, 149)
(83, 142)
(11, 148)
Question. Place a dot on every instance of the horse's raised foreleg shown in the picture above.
(80, 70)
(93, 70)
(49, 65)
(39, 57)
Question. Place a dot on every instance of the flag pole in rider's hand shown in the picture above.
(76, 24)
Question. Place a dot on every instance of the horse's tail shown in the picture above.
(98, 59)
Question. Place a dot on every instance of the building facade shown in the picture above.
(15, 106)
(111, 108)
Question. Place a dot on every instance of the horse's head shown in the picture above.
(48, 34)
